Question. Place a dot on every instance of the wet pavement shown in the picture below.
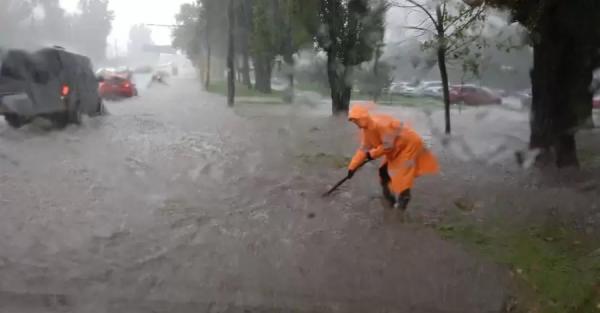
(175, 203)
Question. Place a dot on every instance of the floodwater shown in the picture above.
(175, 203)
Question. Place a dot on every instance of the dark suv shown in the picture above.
(51, 83)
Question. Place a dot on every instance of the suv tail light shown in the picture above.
(65, 90)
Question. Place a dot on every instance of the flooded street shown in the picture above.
(175, 203)
(314, 156)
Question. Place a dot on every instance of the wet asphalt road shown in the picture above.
(174, 203)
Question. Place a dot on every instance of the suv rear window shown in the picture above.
(16, 64)
(115, 80)
(48, 60)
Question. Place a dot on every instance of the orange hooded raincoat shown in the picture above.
(402, 148)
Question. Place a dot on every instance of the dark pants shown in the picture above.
(404, 197)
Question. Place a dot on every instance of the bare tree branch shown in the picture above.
(458, 18)
(463, 44)
(464, 25)
(422, 7)
(444, 12)
(405, 6)
(425, 20)
(420, 28)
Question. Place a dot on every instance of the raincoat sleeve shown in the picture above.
(360, 156)
(377, 152)
(388, 140)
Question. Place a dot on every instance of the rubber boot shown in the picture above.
(403, 200)
(385, 189)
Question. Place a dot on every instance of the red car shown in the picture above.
(596, 102)
(473, 95)
(114, 87)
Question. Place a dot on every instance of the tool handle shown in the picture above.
(336, 186)
(341, 182)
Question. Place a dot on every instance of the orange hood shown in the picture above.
(359, 113)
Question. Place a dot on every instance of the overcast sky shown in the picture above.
(131, 12)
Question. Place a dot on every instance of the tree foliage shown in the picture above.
(280, 28)
(292, 31)
(373, 78)
(139, 36)
(187, 35)
(565, 36)
(92, 26)
(264, 30)
(351, 30)
(35, 23)
(351, 33)
(452, 31)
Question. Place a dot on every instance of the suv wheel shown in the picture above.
(101, 110)
(59, 120)
(75, 115)
(14, 120)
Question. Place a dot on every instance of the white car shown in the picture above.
(524, 96)
(434, 92)
(403, 88)
(425, 88)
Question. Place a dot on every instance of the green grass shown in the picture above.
(314, 87)
(588, 159)
(414, 102)
(387, 99)
(558, 271)
(220, 87)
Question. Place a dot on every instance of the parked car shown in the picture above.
(499, 92)
(117, 87)
(427, 88)
(146, 69)
(51, 83)
(427, 84)
(397, 88)
(410, 91)
(434, 92)
(473, 95)
(525, 97)
(596, 102)
(402, 88)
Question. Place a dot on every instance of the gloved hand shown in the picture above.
(351, 173)
(369, 157)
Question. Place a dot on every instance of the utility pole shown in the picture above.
(231, 56)
(116, 46)
(162, 25)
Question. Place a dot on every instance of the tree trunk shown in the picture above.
(441, 55)
(561, 76)
(207, 68)
(231, 56)
(376, 93)
(288, 55)
(246, 69)
(341, 100)
(340, 89)
(236, 63)
(198, 66)
(262, 74)
(446, 89)
(289, 64)
(245, 27)
(545, 92)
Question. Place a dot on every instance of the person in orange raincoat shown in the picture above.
(405, 156)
